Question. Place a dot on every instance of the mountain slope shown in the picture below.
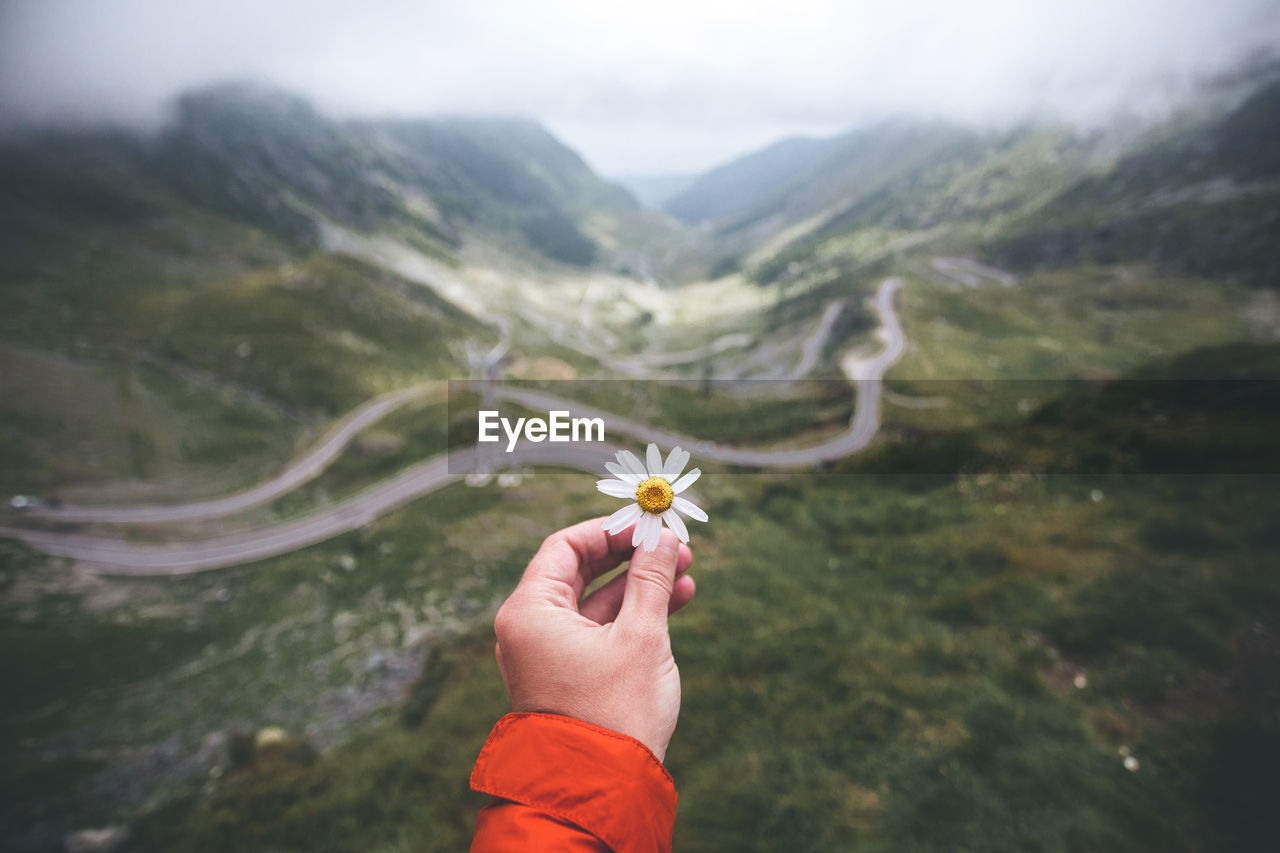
(1197, 194)
(1203, 200)
(744, 182)
(268, 157)
(655, 190)
(978, 599)
(891, 182)
(260, 156)
(187, 271)
(509, 175)
(168, 309)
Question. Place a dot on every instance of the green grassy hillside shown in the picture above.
(1189, 196)
(267, 159)
(949, 659)
(1200, 202)
(180, 279)
(1036, 614)
(509, 175)
(227, 370)
(888, 185)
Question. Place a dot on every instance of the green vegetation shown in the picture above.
(748, 413)
(325, 638)
(1229, 237)
(413, 433)
(991, 354)
(1199, 203)
(68, 423)
(1038, 614)
(889, 662)
(225, 373)
(848, 285)
(325, 335)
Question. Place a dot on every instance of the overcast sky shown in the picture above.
(644, 87)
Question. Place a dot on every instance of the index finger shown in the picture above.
(572, 558)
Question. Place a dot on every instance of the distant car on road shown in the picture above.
(25, 502)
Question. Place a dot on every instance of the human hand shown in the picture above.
(607, 661)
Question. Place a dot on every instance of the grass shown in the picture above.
(325, 335)
(70, 426)
(745, 412)
(873, 662)
(951, 642)
(1156, 205)
(996, 353)
(838, 703)
(322, 641)
(413, 433)
(152, 343)
(905, 683)
(204, 382)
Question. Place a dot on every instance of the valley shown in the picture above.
(959, 378)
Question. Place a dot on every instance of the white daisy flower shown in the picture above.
(655, 491)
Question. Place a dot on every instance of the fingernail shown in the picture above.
(669, 542)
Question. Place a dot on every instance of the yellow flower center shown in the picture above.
(654, 495)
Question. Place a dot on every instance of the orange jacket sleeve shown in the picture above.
(562, 784)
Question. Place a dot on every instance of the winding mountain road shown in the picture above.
(866, 375)
(114, 556)
(304, 468)
(811, 350)
(111, 556)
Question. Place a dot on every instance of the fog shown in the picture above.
(656, 87)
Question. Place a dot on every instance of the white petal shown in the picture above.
(654, 458)
(623, 518)
(676, 460)
(616, 489)
(632, 463)
(653, 534)
(623, 474)
(690, 509)
(643, 526)
(676, 523)
(686, 481)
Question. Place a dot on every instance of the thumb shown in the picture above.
(650, 579)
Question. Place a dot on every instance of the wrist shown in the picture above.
(655, 745)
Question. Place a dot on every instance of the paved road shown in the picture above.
(890, 334)
(970, 273)
(811, 351)
(303, 469)
(111, 556)
(863, 425)
(644, 364)
(119, 557)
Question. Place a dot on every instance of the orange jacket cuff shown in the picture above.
(607, 783)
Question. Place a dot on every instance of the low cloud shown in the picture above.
(663, 86)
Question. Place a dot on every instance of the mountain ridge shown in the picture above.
(744, 180)
(266, 156)
(1032, 196)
